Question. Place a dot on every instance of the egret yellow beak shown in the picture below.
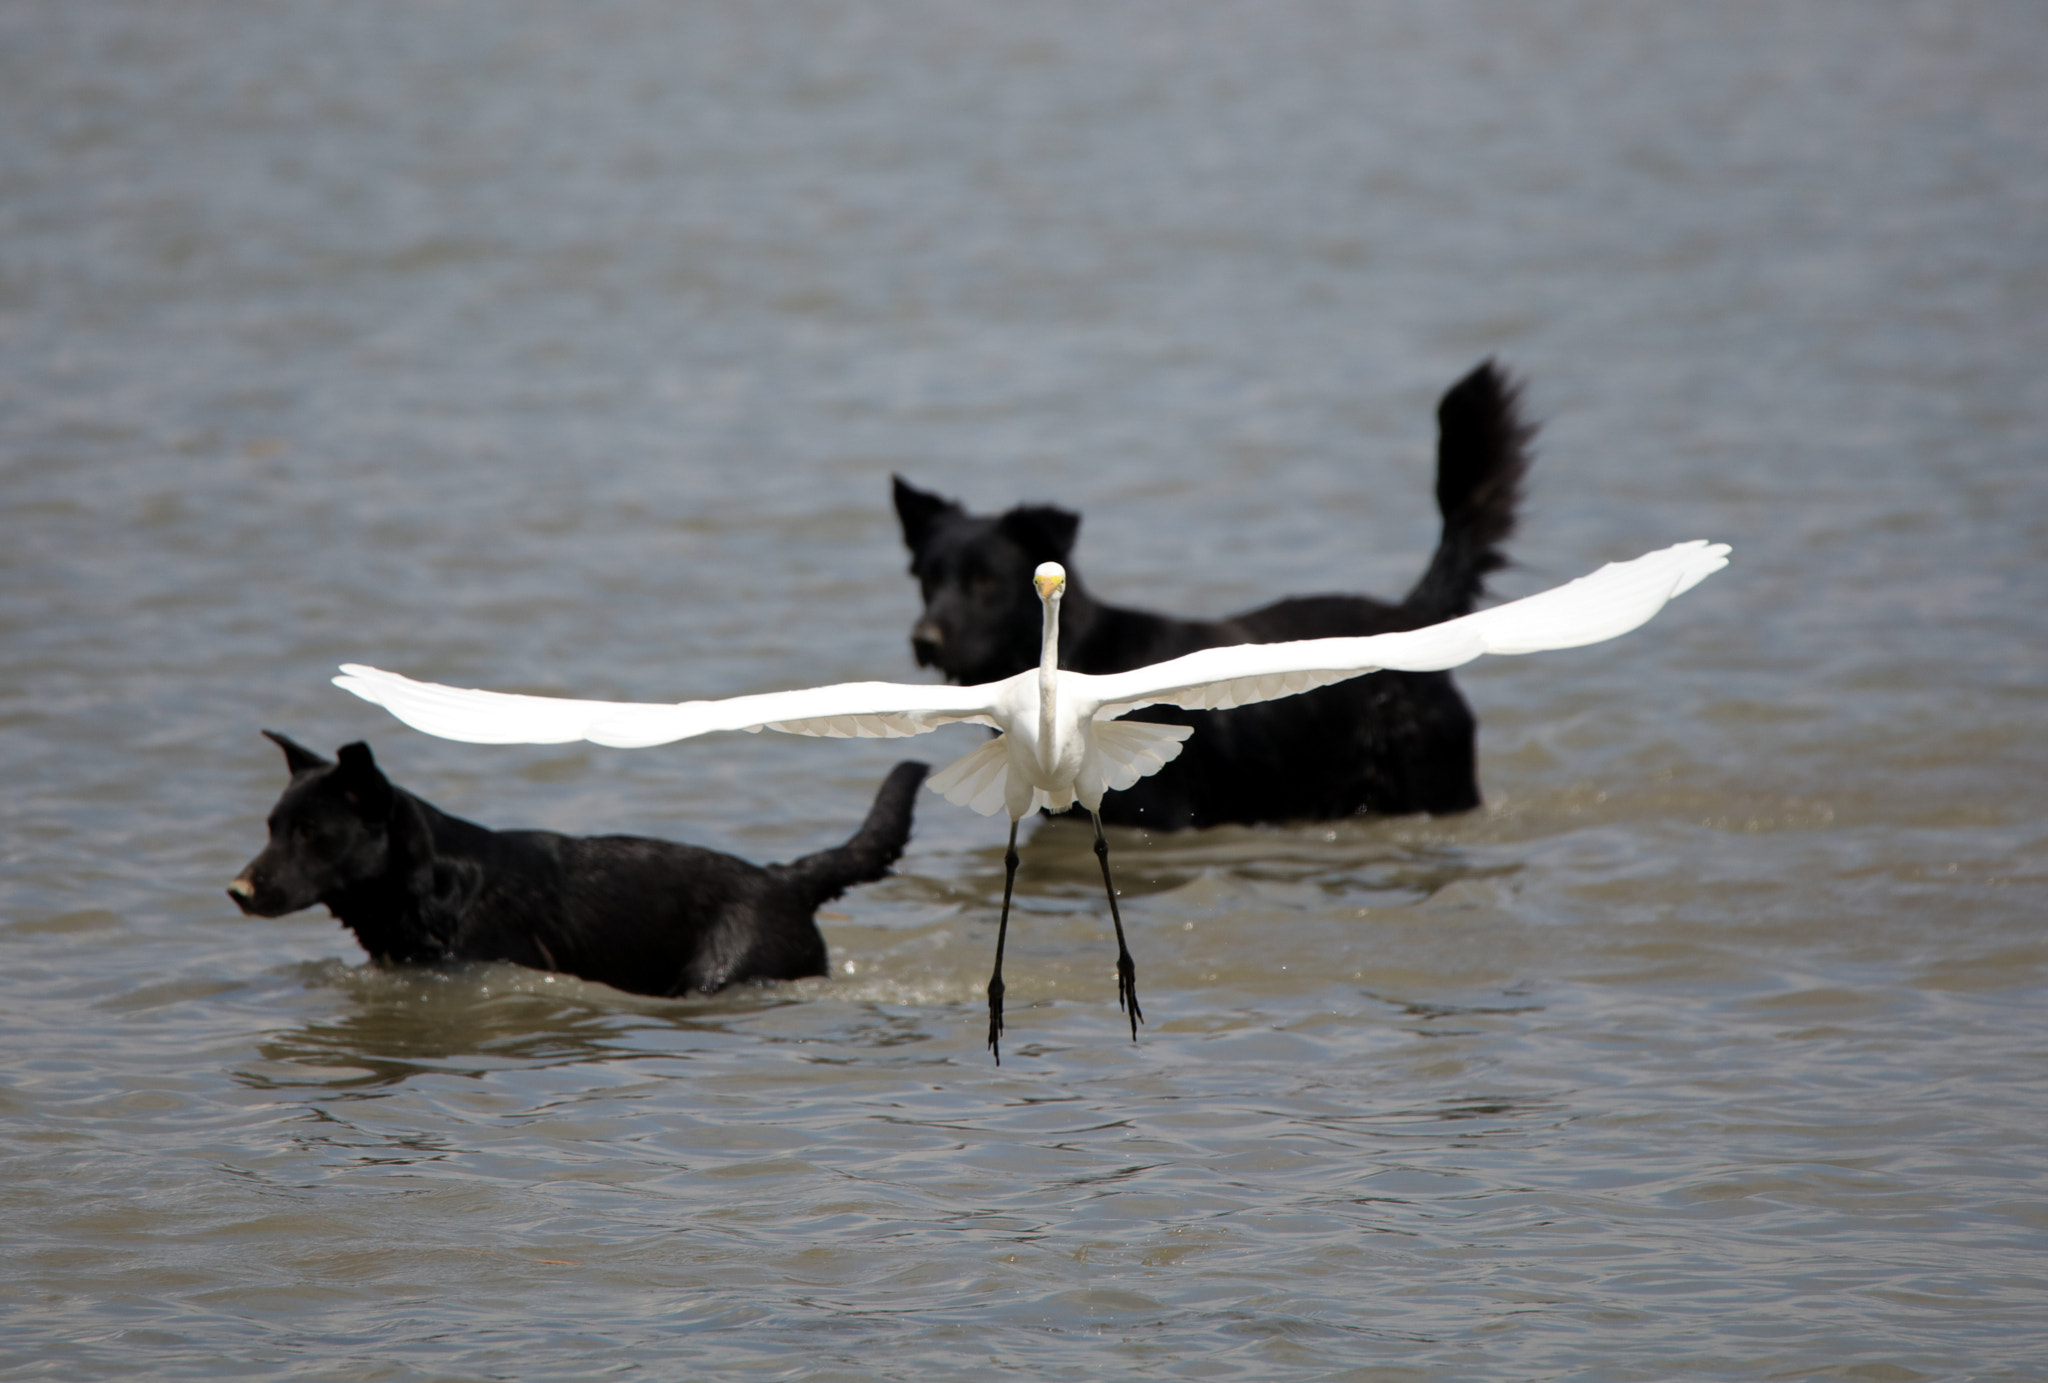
(1050, 578)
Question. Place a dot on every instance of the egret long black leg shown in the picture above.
(1126, 968)
(995, 981)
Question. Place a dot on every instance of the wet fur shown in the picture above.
(1391, 742)
(646, 916)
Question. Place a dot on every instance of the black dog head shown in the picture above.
(981, 619)
(329, 831)
(343, 835)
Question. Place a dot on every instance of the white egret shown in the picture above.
(1060, 739)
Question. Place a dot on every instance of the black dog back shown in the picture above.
(1391, 742)
(647, 916)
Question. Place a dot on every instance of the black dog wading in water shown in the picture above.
(1391, 742)
(647, 916)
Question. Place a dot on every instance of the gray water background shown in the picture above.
(569, 348)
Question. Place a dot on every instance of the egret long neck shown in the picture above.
(1048, 677)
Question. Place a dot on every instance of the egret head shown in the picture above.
(1051, 580)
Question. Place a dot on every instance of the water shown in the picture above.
(570, 349)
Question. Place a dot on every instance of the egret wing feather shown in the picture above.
(478, 717)
(1124, 752)
(1617, 598)
(846, 710)
(979, 780)
(1609, 602)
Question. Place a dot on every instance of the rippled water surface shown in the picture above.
(570, 348)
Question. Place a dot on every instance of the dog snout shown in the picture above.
(243, 891)
(926, 640)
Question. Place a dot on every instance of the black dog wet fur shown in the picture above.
(1388, 743)
(646, 916)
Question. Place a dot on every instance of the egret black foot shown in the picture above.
(1127, 992)
(995, 1019)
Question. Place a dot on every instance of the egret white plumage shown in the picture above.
(1060, 739)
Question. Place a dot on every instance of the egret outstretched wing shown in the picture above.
(846, 710)
(1606, 603)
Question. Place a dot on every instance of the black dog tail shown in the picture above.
(873, 848)
(1482, 458)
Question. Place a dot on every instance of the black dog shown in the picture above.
(646, 916)
(1391, 742)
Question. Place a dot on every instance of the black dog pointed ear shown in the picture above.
(362, 782)
(297, 757)
(917, 510)
(1044, 532)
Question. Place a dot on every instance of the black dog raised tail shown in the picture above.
(1482, 459)
(872, 849)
